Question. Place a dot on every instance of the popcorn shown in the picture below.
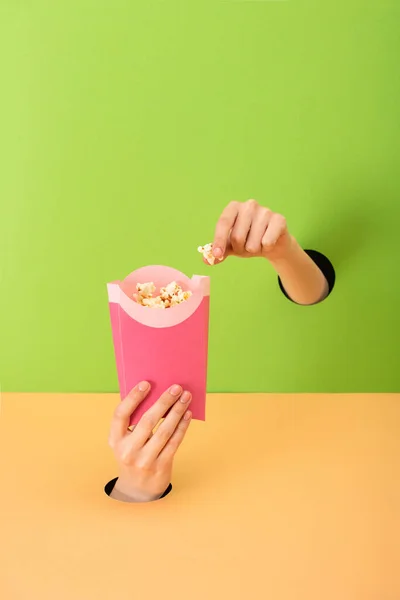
(153, 302)
(169, 290)
(206, 251)
(170, 295)
(146, 290)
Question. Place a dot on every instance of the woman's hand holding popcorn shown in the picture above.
(145, 457)
(249, 230)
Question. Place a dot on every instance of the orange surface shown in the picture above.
(281, 497)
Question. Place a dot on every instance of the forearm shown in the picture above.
(302, 279)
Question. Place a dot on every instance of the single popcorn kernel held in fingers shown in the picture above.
(206, 251)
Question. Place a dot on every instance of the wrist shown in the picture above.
(285, 257)
(126, 492)
(301, 278)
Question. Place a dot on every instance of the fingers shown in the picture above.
(258, 227)
(240, 229)
(242, 226)
(167, 428)
(218, 261)
(223, 229)
(171, 447)
(246, 229)
(151, 418)
(276, 227)
(124, 410)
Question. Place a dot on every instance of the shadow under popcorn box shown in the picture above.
(162, 346)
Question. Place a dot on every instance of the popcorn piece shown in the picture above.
(169, 290)
(153, 302)
(170, 295)
(206, 251)
(146, 290)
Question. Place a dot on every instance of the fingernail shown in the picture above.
(185, 397)
(175, 390)
(217, 252)
(143, 386)
(187, 415)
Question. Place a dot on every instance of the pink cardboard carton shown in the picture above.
(162, 346)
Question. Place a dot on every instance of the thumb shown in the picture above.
(218, 255)
(221, 255)
(216, 261)
(212, 255)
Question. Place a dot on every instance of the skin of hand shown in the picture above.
(146, 453)
(247, 230)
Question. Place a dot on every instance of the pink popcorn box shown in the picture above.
(162, 346)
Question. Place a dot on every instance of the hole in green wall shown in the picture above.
(324, 265)
(108, 488)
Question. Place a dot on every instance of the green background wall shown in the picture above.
(126, 127)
